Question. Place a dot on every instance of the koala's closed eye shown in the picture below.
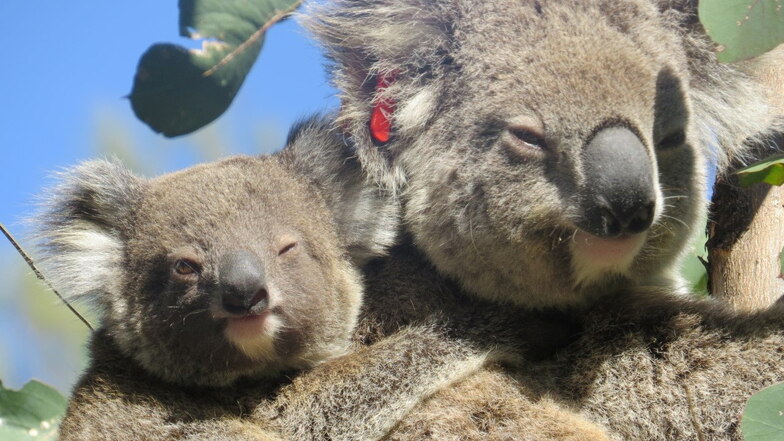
(525, 141)
(532, 138)
(286, 248)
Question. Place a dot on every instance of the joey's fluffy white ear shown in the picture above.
(408, 40)
(366, 216)
(81, 228)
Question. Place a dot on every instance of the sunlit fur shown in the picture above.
(109, 237)
(464, 70)
(500, 224)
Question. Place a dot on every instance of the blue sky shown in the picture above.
(66, 68)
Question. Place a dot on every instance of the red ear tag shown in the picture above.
(380, 125)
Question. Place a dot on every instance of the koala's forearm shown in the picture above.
(674, 369)
(361, 396)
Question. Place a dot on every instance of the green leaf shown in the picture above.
(743, 28)
(770, 170)
(763, 419)
(31, 413)
(781, 264)
(177, 90)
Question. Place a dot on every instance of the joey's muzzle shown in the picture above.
(242, 282)
(618, 196)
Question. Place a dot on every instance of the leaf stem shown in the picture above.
(252, 39)
(40, 276)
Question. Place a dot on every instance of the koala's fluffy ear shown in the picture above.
(82, 226)
(365, 215)
(372, 36)
(407, 40)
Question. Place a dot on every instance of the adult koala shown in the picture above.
(552, 155)
(572, 130)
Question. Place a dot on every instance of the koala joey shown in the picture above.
(218, 283)
(200, 276)
(553, 154)
(546, 152)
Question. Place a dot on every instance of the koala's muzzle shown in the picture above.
(619, 195)
(242, 282)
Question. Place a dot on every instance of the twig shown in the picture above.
(40, 276)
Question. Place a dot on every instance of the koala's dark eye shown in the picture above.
(530, 138)
(186, 267)
(672, 140)
(288, 247)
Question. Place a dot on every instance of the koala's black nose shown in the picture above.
(242, 282)
(619, 196)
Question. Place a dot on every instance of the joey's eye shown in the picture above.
(186, 267)
(672, 140)
(530, 138)
(287, 248)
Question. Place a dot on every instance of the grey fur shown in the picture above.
(644, 365)
(466, 73)
(367, 217)
(647, 366)
(394, 306)
(150, 224)
(163, 358)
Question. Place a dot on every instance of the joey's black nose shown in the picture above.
(619, 196)
(242, 282)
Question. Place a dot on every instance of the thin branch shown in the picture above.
(252, 39)
(40, 276)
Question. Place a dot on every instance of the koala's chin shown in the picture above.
(594, 257)
(254, 335)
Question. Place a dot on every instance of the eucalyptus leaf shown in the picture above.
(31, 413)
(781, 264)
(178, 90)
(769, 170)
(743, 28)
(763, 419)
